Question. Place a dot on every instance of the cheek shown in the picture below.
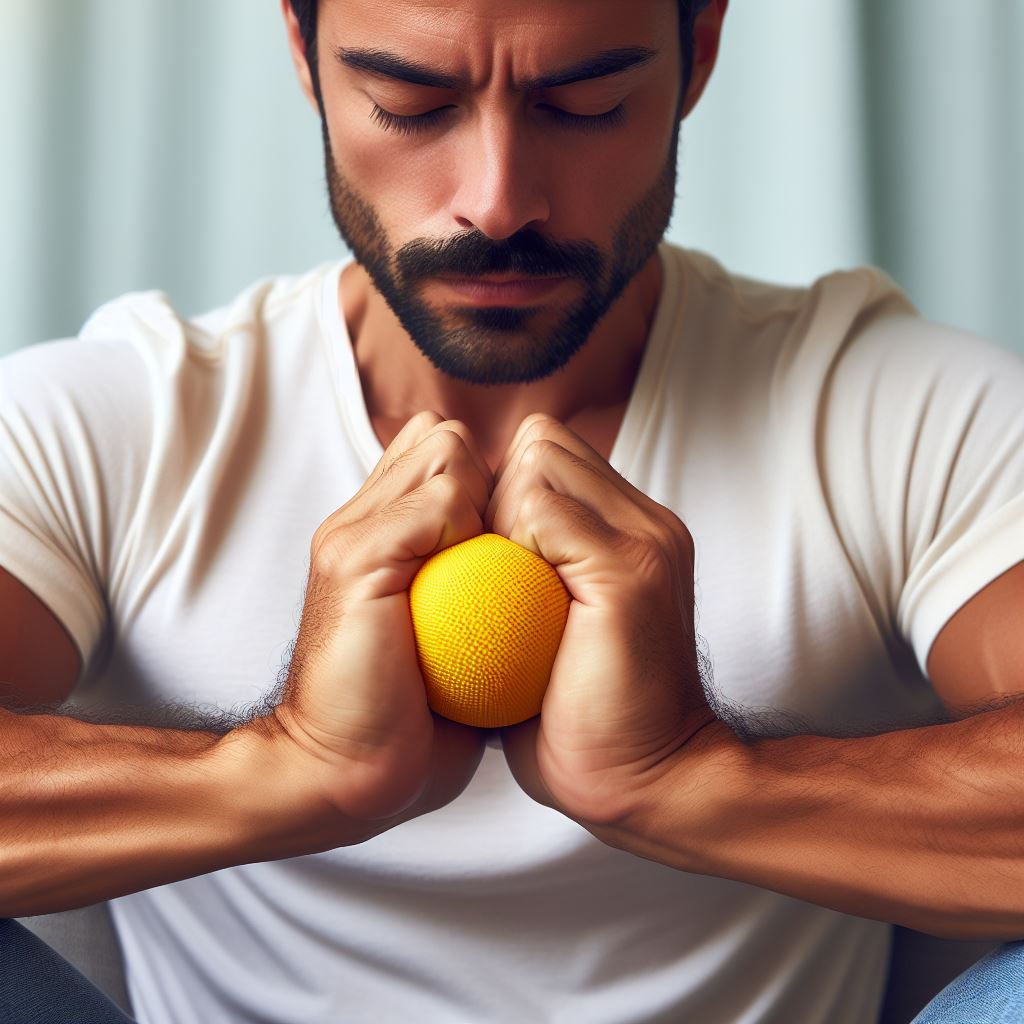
(642, 148)
(404, 182)
(601, 178)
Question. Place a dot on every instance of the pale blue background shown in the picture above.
(164, 143)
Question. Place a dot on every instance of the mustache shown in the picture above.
(525, 253)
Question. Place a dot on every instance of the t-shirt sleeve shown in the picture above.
(73, 433)
(922, 448)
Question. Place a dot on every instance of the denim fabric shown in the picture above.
(990, 992)
(37, 986)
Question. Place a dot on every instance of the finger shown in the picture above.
(547, 464)
(445, 447)
(539, 426)
(416, 428)
(513, 445)
(519, 743)
(388, 548)
(567, 535)
(460, 428)
(441, 450)
(439, 513)
(412, 432)
(458, 751)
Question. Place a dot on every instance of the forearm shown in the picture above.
(89, 812)
(922, 828)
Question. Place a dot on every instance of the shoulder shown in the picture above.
(835, 304)
(140, 373)
(851, 332)
(150, 322)
(103, 379)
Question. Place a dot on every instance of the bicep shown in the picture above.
(39, 662)
(978, 656)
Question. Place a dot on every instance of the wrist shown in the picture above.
(276, 805)
(687, 810)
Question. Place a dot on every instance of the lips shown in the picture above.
(502, 289)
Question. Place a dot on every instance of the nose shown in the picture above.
(500, 185)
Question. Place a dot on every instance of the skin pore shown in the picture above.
(539, 142)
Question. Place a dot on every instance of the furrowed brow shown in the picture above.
(601, 65)
(393, 65)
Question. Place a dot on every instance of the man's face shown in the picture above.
(500, 187)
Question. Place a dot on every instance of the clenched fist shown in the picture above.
(355, 708)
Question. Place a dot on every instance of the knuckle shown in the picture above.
(539, 451)
(426, 419)
(536, 503)
(445, 488)
(321, 540)
(668, 538)
(456, 427)
(436, 452)
(675, 535)
(446, 442)
(534, 426)
(683, 538)
(332, 550)
(538, 422)
(650, 559)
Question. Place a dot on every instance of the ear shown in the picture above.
(297, 47)
(707, 31)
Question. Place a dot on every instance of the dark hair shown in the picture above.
(305, 11)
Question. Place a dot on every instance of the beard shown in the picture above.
(498, 345)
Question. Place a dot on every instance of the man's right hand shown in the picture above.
(354, 709)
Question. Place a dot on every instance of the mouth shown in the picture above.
(501, 289)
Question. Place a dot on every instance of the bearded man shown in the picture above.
(717, 828)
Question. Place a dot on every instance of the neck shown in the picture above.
(589, 394)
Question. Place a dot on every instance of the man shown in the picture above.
(828, 486)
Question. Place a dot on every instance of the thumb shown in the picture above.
(519, 743)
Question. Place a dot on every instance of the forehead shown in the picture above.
(484, 37)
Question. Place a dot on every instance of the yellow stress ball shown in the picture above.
(488, 616)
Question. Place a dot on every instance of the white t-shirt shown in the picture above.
(850, 473)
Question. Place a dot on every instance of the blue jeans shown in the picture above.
(37, 986)
(990, 992)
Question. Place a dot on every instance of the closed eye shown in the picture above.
(407, 124)
(585, 122)
(411, 124)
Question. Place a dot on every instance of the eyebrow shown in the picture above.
(393, 65)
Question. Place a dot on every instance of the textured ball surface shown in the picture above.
(488, 616)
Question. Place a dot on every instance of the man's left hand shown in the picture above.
(625, 693)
